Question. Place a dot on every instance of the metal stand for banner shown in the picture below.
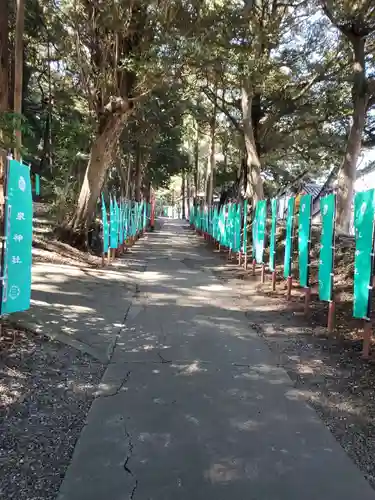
(262, 273)
(254, 265)
(245, 261)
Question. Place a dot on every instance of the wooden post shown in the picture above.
(289, 287)
(273, 280)
(307, 300)
(367, 332)
(262, 273)
(239, 258)
(245, 262)
(331, 316)
(254, 264)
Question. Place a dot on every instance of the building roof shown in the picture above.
(312, 188)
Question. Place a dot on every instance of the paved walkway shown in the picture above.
(82, 307)
(193, 405)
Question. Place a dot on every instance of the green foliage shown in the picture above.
(171, 59)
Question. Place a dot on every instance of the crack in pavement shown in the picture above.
(163, 360)
(112, 347)
(117, 391)
(126, 462)
(132, 493)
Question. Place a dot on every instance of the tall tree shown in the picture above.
(4, 77)
(212, 155)
(356, 21)
(119, 48)
(18, 73)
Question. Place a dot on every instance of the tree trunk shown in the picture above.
(18, 73)
(347, 173)
(212, 160)
(183, 195)
(118, 162)
(45, 157)
(254, 186)
(4, 55)
(138, 173)
(99, 161)
(128, 172)
(196, 162)
(4, 82)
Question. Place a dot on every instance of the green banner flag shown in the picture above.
(325, 273)
(288, 255)
(238, 228)
(121, 223)
(244, 244)
(364, 247)
(112, 224)
(105, 226)
(272, 260)
(304, 239)
(17, 258)
(260, 230)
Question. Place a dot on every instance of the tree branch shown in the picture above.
(210, 96)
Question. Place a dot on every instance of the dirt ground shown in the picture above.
(46, 390)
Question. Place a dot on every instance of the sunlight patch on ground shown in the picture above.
(154, 277)
(189, 369)
(229, 469)
(158, 439)
(215, 287)
(245, 425)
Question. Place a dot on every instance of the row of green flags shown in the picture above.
(126, 219)
(225, 226)
(229, 228)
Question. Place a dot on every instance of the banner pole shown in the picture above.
(331, 316)
(307, 300)
(289, 286)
